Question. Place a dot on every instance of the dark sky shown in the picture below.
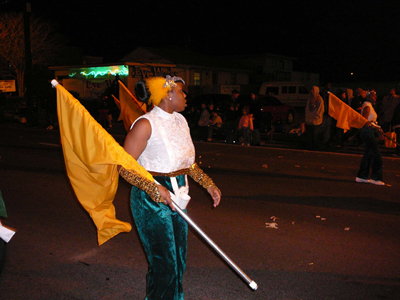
(333, 38)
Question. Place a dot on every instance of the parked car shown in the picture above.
(276, 111)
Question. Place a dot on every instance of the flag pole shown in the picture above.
(386, 137)
(246, 278)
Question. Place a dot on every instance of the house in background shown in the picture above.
(202, 74)
(269, 67)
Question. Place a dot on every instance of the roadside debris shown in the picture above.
(271, 225)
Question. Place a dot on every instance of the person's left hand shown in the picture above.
(381, 135)
(215, 194)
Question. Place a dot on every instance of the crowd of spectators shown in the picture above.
(235, 122)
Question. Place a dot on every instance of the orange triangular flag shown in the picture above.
(131, 109)
(117, 102)
(345, 116)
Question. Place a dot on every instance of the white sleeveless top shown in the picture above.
(170, 147)
(372, 114)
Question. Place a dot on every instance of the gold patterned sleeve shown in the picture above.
(148, 186)
(200, 177)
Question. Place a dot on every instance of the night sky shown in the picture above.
(333, 38)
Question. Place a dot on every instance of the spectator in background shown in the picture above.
(314, 113)
(246, 126)
(389, 103)
(327, 119)
(235, 99)
(210, 108)
(204, 121)
(358, 99)
(396, 126)
(215, 124)
(349, 96)
(255, 107)
(230, 124)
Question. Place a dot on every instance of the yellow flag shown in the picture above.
(91, 157)
(131, 109)
(345, 116)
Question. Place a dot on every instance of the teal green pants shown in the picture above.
(164, 236)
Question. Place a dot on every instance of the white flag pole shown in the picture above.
(246, 278)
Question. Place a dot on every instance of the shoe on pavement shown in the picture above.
(377, 182)
(358, 179)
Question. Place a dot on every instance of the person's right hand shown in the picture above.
(166, 196)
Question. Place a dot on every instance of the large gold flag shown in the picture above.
(345, 116)
(130, 107)
(91, 157)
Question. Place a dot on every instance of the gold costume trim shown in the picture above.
(200, 177)
(148, 186)
(171, 174)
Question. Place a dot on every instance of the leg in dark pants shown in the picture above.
(372, 159)
(164, 237)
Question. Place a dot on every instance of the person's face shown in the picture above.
(253, 96)
(178, 98)
(236, 95)
(328, 87)
(392, 92)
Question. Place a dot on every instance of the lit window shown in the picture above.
(197, 78)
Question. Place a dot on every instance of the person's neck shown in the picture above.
(164, 105)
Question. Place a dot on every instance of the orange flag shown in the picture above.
(117, 102)
(91, 157)
(345, 116)
(131, 109)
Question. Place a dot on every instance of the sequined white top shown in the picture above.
(170, 147)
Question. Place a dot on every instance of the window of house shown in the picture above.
(197, 78)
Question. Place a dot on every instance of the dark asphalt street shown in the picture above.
(336, 239)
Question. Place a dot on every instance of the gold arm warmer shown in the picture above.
(199, 176)
(148, 186)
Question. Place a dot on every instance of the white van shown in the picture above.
(289, 92)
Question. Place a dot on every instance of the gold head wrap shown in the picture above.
(160, 86)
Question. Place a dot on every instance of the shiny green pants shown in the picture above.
(164, 236)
